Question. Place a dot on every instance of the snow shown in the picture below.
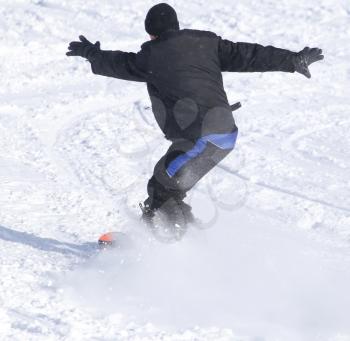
(272, 261)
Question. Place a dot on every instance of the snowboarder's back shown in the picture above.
(183, 70)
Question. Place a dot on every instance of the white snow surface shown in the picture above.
(271, 261)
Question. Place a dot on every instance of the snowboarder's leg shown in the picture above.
(164, 193)
(161, 187)
(184, 164)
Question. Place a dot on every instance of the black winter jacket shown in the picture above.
(183, 71)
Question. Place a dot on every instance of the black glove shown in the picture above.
(305, 58)
(83, 48)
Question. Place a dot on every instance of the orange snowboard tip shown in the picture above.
(107, 238)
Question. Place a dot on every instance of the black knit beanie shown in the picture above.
(160, 18)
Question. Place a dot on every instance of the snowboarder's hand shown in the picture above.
(305, 58)
(83, 48)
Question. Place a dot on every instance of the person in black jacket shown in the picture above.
(183, 72)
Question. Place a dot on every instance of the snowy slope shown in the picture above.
(76, 151)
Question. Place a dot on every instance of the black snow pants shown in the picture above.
(184, 164)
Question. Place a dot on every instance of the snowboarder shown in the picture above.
(183, 72)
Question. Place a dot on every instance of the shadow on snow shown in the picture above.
(46, 244)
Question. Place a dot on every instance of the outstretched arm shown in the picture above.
(116, 64)
(246, 57)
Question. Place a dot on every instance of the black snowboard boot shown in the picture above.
(175, 211)
(187, 212)
(169, 222)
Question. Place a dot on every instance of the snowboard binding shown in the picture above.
(168, 223)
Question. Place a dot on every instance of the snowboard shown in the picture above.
(112, 240)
